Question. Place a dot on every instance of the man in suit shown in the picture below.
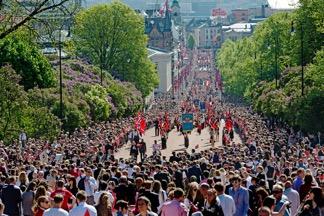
(11, 197)
(153, 197)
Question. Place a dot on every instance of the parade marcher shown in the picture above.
(186, 140)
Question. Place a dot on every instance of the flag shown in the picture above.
(142, 127)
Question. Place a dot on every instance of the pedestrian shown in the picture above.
(83, 208)
(56, 210)
(186, 140)
(240, 196)
(164, 142)
(142, 149)
(175, 207)
(226, 201)
(11, 197)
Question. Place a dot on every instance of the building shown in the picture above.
(237, 31)
(239, 15)
(175, 12)
(158, 27)
(208, 35)
(163, 62)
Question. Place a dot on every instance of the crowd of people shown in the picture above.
(274, 170)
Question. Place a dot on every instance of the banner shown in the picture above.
(187, 122)
(202, 106)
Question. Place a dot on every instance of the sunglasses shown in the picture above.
(276, 192)
(46, 201)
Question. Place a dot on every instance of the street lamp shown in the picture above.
(302, 61)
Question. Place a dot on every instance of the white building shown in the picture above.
(237, 31)
(163, 61)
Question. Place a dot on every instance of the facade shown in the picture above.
(158, 27)
(163, 62)
(208, 35)
(176, 14)
(240, 15)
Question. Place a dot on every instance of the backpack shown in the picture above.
(81, 184)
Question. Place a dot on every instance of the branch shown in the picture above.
(36, 11)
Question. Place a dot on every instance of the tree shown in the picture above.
(112, 36)
(27, 60)
(191, 42)
(12, 97)
(16, 14)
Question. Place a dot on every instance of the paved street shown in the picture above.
(175, 142)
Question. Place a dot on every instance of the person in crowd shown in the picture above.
(280, 200)
(103, 188)
(67, 195)
(144, 207)
(11, 197)
(240, 196)
(314, 203)
(56, 210)
(104, 205)
(41, 205)
(122, 208)
(28, 199)
(293, 197)
(82, 208)
(72, 185)
(175, 207)
(225, 201)
(211, 205)
(306, 186)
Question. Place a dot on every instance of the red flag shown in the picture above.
(142, 125)
(87, 213)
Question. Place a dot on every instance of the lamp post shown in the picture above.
(61, 80)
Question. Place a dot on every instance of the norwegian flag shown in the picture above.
(142, 127)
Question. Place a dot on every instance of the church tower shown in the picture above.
(176, 16)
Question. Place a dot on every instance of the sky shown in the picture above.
(283, 4)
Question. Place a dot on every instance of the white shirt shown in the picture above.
(227, 203)
(55, 212)
(22, 136)
(81, 209)
(293, 197)
(90, 185)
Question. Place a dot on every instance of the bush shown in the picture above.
(72, 117)
(40, 123)
(100, 107)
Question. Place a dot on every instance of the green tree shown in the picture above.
(17, 114)
(112, 36)
(12, 97)
(191, 42)
(27, 60)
